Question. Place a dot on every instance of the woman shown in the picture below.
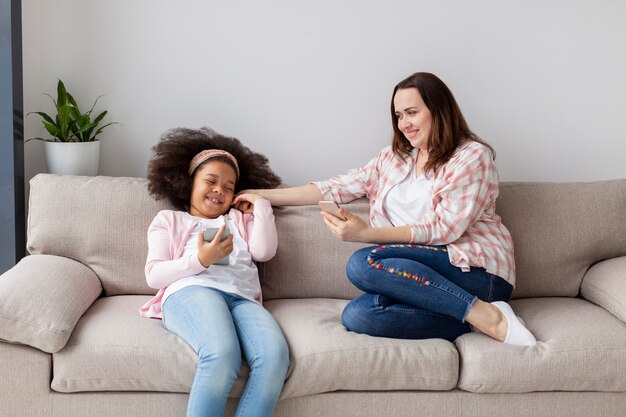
(432, 194)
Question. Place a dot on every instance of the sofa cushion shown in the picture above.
(114, 349)
(310, 260)
(559, 230)
(605, 285)
(42, 298)
(326, 357)
(106, 229)
(582, 348)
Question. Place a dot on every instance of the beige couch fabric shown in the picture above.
(560, 230)
(326, 357)
(106, 229)
(605, 285)
(362, 404)
(582, 348)
(24, 381)
(42, 298)
(114, 349)
(310, 262)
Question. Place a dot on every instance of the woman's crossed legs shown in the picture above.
(414, 292)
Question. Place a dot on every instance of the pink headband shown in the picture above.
(210, 153)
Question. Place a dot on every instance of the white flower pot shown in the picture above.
(73, 158)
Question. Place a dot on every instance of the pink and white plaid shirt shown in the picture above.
(462, 211)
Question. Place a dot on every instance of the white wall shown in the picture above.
(309, 83)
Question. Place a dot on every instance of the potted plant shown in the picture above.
(74, 148)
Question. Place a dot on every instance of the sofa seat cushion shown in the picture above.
(326, 357)
(582, 347)
(112, 348)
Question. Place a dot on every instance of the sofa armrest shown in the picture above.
(42, 298)
(604, 284)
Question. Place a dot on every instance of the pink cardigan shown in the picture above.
(169, 231)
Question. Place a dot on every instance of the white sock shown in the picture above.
(517, 333)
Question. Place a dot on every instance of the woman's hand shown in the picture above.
(213, 251)
(244, 202)
(353, 229)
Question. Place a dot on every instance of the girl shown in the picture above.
(215, 308)
(433, 194)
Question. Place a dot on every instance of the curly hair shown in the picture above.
(168, 175)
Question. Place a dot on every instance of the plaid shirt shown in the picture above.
(462, 211)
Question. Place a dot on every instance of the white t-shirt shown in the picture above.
(408, 200)
(239, 277)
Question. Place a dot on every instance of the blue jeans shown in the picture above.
(220, 327)
(414, 292)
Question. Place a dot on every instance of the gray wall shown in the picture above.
(309, 83)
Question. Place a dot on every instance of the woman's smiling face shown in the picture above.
(414, 118)
(213, 189)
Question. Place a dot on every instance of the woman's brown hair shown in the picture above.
(449, 128)
(168, 175)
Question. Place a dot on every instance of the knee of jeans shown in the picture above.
(274, 358)
(357, 265)
(224, 358)
(353, 314)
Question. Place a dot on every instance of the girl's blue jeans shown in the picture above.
(414, 292)
(222, 327)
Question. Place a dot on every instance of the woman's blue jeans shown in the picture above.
(221, 327)
(414, 292)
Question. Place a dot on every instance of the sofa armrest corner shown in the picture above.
(42, 298)
(604, 284)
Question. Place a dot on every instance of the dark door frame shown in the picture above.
(12, 210)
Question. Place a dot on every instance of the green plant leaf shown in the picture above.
(45, 140)
(52, 129)
(61, 93)
(94, 104)
(43, 116)
(53, 100)
(69, 124)
(99, 117)
(101, 129)
(75, 111)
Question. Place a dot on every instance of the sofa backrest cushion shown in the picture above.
(310, 260)
(559, 231)
(98, 221)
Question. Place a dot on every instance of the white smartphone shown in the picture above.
(332, 208)
(209, 235)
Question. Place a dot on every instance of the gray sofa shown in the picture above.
(74, 344)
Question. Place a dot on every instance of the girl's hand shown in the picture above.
(244, 202)
(213, 251)
(354, 229)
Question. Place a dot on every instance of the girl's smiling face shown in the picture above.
(213, 189)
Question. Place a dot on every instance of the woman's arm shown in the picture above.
(465, 194)
(354, 229)
(341, 188)
(292, 196)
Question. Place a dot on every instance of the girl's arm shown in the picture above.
(160, 269)
(262, 237)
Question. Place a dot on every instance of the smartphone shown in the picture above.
(209, 235)
(332, 208)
